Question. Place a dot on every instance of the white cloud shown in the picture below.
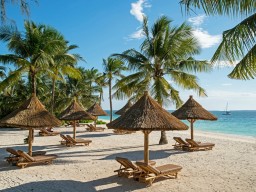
(205, 39)
(137, 9)
(197, 21)
(137, 34)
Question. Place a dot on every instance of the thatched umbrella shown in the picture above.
(73, 113)
(192, 111)
(147, 115)
(30, 115)
(96, 110)
(124, 109)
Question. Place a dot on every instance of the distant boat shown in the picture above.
(226, 111)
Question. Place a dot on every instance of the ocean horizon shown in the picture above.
(239, 122)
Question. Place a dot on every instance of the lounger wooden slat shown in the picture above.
(28, 160)
(150, 173)
(44, 132)
(195, 146)
(179, 143)
(92, 128)
(127, 168)
(14, 155)
(78, 141)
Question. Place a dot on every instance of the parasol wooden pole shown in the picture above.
(74, 129)
(192, 127)
(95, 122)
(30, 139)
(146, 153)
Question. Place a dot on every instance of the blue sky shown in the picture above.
(103, 27)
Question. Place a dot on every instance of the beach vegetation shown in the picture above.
(163, 64)
(112, 69)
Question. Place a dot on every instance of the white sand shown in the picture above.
(230, 166)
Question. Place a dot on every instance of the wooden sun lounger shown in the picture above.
(28, 160)
(195, 146)
(78, 141)
(127, 168)
(65, 140)
(92, 128)
(14, 155)
(68, 141)
(149, 173)
(44, 132)
(180, 143)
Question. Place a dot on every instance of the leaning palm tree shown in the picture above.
(238, 43)
(32, 52)
(163, 63)
(112, 69)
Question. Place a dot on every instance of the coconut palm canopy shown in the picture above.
(147, 114)
(124, 109)
(96, 110)
(31, 114)
(75, 112)
(193, 110)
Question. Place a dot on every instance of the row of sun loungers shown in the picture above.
(92, 128)
(69, 141)
(145, 172)
(191, 145)
(44, 132)
(22, 159)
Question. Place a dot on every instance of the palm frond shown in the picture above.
(222, 7)
(246, 68)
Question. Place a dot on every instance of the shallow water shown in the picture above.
(238, 123)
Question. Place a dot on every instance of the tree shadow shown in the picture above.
(139, 155)
(107, 184)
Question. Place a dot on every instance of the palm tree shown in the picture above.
(164, 61)
(112, 68)
(63, 64)
(23, 4)
(78, 88)
(238, 43)
(32, 52)
(95, 78)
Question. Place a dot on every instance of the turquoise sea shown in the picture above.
(238, 123)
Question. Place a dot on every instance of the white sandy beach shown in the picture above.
(230, 166)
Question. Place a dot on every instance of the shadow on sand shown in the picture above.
(112, 183)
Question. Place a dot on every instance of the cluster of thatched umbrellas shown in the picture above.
(33, 115)
(145, 115)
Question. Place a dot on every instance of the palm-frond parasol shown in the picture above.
(96, 110)
(192, 111)
(30, 115)
(124, 108)
(147, 115)
(75, 112)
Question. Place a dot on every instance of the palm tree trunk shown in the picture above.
(110, 98)
(163, 139)
(53, 95)
(33, 82)
(100, 98)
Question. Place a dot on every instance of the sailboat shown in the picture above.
(226, 111)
